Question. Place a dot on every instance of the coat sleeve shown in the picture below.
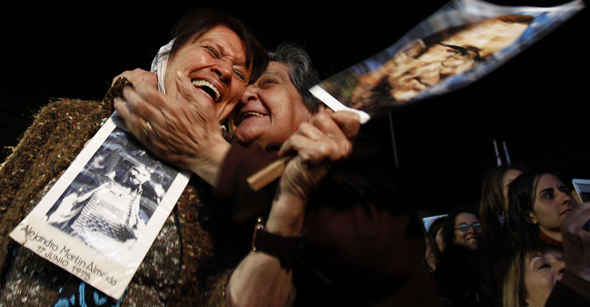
(233, 189)
(570, 291)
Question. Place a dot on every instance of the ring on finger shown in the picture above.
(147, 130)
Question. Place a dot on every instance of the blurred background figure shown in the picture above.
(458, 274)
(495, 245)
(532, 274)
(539, 202)
(434, 245)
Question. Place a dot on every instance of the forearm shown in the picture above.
(209, 166)
(232, 187)
(261, 279)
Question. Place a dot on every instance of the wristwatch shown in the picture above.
(283, 248)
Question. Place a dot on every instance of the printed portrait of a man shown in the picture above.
(110, 203)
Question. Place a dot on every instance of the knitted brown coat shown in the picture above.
(168, 274)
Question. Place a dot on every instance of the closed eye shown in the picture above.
(268, 82)
(241, 75)
(212, 51)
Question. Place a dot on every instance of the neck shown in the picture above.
(552, 234)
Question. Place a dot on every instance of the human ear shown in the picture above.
(531, 218)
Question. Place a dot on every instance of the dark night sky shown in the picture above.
(534, 102)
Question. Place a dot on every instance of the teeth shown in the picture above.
(203, 83)
(252, 113)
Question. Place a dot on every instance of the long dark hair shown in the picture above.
(492, 196)
(522, 196)
(431, 235)
(198, 22)
(453, 251)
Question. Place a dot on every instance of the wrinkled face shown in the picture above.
(216, 64)
(138, 175)
(270, 110)
(509, 176)
(541, 274)
(553, 201)
(469, 236)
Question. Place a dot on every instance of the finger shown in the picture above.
(305, 130)
(326, 124)
(349, 123)
(576, 218)
(138, 76)
(150, 105)
(134, 123)
(286, 148)
(316, 151)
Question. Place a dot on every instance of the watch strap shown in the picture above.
(283, 248)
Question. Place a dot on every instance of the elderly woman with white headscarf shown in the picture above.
(220, 57)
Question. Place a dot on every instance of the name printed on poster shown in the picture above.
(65, 257)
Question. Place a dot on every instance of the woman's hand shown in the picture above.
(181, 128)
(319, 144)
(139, 77)
(576, 241)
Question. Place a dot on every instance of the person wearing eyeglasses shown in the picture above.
(458, 275)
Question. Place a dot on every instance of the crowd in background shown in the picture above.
(514, 247)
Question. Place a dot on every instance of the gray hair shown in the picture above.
(301, 71)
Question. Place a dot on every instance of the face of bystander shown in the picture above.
(553, 201)
(541, 274)
(467, 230)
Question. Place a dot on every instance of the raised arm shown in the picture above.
(574, 288)
(261, 279)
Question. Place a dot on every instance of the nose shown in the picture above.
(560, 266)
(565, 198)
(223, 69)
(249, 95)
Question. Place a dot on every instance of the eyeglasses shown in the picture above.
(465, 227)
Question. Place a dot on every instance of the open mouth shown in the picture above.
(566, 211)
(208, 88)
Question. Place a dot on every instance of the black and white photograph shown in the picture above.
(111, 201)
(102, 215)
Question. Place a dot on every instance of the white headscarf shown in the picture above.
(159, 64)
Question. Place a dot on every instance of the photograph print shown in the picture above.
(111, 201)
(454, 47)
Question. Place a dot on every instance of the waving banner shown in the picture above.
(456, 46)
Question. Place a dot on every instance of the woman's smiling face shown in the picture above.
(469, 237)
(270, 110)
(215, 63)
